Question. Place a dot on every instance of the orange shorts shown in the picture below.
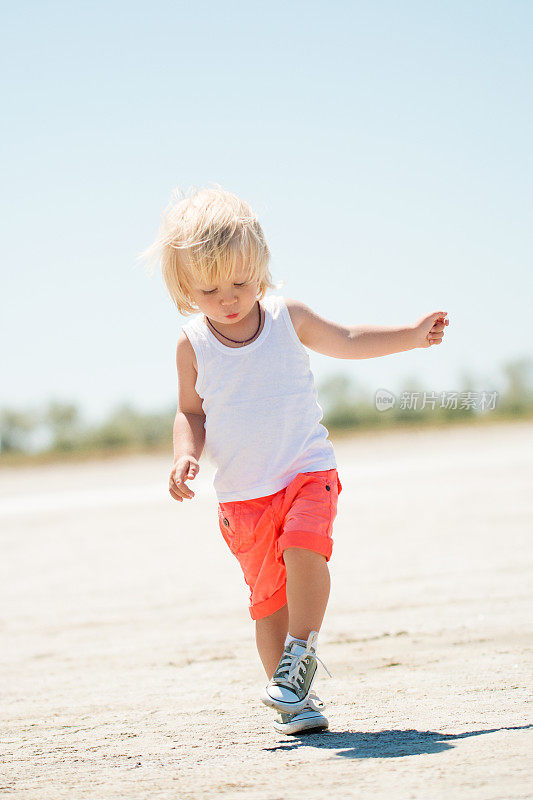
(258, 531)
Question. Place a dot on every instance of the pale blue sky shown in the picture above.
(385, 146)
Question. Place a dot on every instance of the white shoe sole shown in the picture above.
(311, 721)
(279, 705)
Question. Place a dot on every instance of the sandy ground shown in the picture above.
(128, 657)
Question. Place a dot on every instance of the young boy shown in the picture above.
(247, 392)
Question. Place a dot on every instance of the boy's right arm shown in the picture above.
(189, 429)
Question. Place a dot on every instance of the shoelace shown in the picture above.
(292, 668)
(314, 703)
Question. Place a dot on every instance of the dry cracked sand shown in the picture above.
(129, 667)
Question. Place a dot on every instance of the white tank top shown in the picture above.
(260, 402)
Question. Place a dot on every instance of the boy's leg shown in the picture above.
(308, 587)
(270, 635)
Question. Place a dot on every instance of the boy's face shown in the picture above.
(218, 301)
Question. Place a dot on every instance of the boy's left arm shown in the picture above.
(364, 341)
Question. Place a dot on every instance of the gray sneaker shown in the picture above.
(288, 689)
(311, 718)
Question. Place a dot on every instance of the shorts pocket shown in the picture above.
(332, 487)
(226, 521)
(334, 490)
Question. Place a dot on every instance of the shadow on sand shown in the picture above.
(382, 744)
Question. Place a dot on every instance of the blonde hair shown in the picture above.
(205, 237)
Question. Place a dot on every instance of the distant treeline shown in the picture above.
(57, 430)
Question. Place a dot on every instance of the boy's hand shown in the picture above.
(429, 329)
(185, 468)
